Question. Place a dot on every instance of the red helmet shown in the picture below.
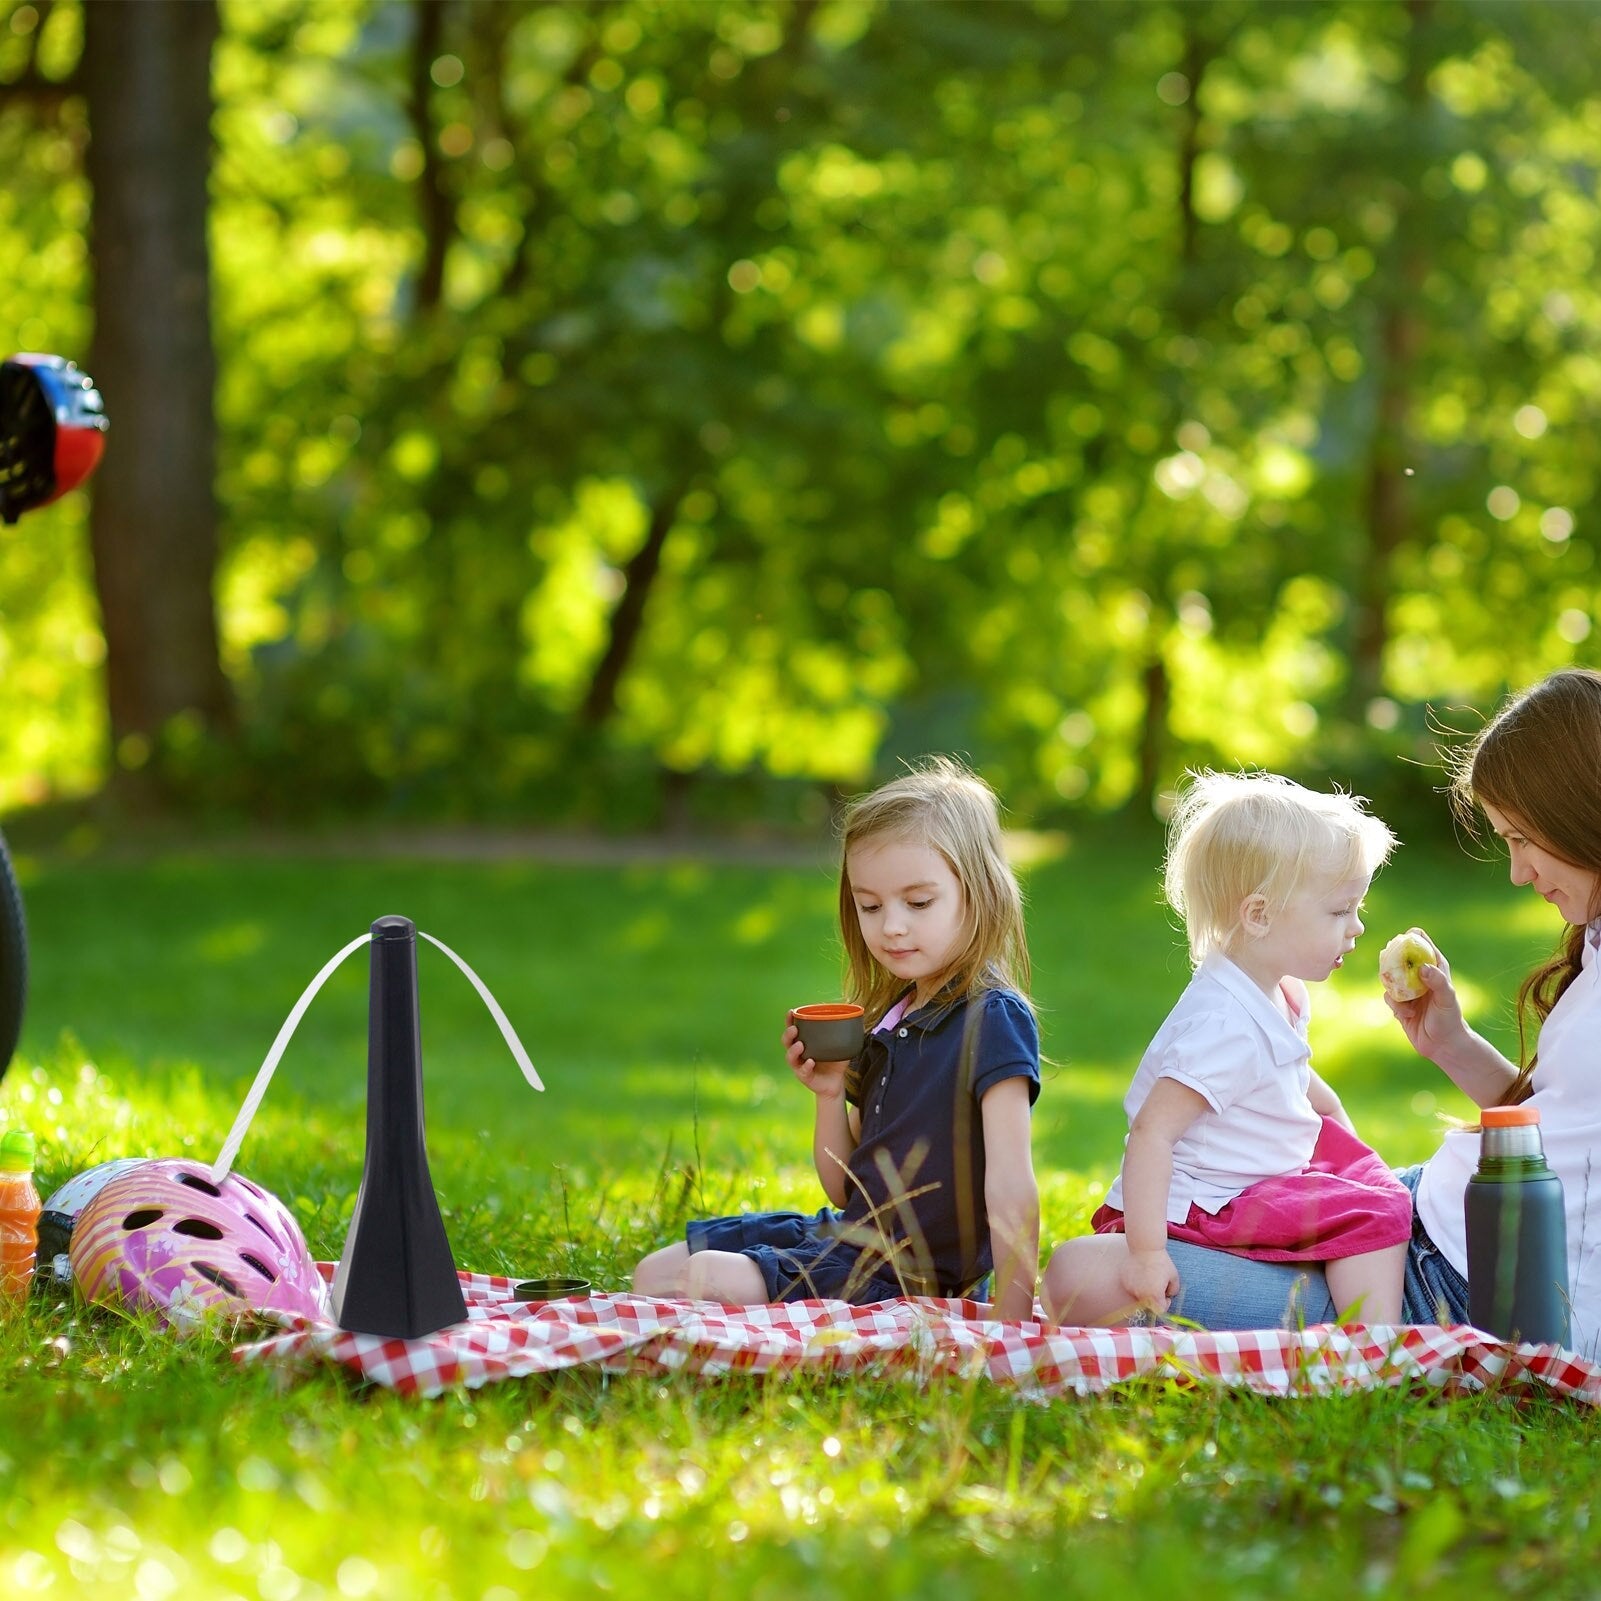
(52, 431)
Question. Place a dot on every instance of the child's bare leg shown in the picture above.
(1083, 1285)
(728, 1276)
(701, 1275)
(1369, 1286)
(661, 1272)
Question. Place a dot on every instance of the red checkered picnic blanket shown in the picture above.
(503, 1338)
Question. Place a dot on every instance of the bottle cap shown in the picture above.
(1508, 1116)
(16, 1151)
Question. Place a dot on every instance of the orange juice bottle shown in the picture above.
(19, 1213)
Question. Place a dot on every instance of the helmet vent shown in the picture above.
(142, 1219)
(260, 1266)
(217, 1277)
(251, 1217)
(197, 1228)
(195, 1182)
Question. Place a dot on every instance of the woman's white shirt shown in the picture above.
(1227, 1041)
(1567, 1093)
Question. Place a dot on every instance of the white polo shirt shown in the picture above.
(1567, 1092)
(1227, 1041)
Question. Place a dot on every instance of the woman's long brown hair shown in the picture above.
(1538, 762)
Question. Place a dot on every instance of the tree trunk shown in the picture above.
(438, 210)
(1386, 501)
(628, 619)
(1155, 684)
(1158, 695)
(153, 518)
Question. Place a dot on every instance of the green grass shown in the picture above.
(651, 999)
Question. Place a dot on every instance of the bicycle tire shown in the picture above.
(13, 959)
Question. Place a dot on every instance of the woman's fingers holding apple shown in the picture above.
(1440, 964)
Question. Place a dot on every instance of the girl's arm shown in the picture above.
(1011, 1197)
(834, 1135)
(836, 1127)
(1149, 1277)
(1327, 1104)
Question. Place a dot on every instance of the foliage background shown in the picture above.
(632, 412)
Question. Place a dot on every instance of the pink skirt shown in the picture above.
(1344, 1202)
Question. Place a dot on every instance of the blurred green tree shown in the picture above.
(615, 396)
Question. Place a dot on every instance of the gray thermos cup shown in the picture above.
(1517, 1233)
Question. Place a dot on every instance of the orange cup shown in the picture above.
(830, 1031)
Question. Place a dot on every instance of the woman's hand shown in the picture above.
(1433, 1022)
(824, 1079)
(1440, 1034)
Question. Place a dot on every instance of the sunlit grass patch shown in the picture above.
(133, 1463)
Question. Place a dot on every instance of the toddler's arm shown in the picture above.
(1011, 1197)
(1327, 1104)
(1149, 1276)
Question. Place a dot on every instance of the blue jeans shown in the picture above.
(1435, 1291)
(1219, 1291)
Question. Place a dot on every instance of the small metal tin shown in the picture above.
(552, 1290)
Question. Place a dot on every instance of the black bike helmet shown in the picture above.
(52, 431)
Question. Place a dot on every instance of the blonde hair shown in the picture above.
(1235, 835)
(949, 808)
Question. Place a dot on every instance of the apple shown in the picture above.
(1399, 962)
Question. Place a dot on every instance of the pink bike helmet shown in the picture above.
(164, 1237)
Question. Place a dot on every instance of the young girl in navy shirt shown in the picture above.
(1234, 1142)
(922, 1141)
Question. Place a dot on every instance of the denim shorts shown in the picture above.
(799, 1256)
(1219, 1291)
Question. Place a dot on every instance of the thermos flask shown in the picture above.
(1517, 1233)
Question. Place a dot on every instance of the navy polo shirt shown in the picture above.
(916, 1184)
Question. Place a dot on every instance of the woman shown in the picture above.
(1533, 775)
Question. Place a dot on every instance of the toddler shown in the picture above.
(1234, 1142)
